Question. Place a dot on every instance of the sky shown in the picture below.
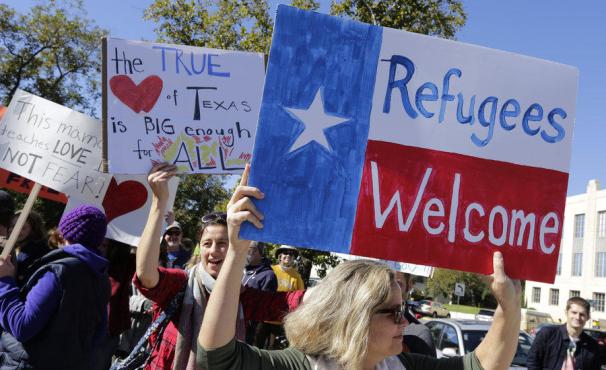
(559, 31)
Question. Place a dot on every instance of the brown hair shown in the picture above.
(579, 302)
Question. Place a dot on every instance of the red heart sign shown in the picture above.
(124, 198)
(140, 97)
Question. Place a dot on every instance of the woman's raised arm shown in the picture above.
(148, 251)
(219, 325)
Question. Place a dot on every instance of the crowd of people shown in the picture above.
(72, 299)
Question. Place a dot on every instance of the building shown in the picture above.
(581, 267)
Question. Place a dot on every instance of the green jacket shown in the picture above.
(240, 356)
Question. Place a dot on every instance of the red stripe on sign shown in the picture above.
(453, 211)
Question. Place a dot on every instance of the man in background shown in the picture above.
(417, 337)
(177, 254)
(258, 274)
(566, 346)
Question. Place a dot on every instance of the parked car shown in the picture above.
(532, 318)
(600, 337)
(485, 314)
(433, 309)
(459, 337)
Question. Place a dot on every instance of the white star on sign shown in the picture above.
(315, 121)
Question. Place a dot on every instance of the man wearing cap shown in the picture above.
(58, 317)
(173, 239)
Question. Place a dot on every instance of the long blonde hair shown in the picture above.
(334, 318)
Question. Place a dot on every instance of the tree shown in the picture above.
(197, 195)
(53, 52)
(430, 17)
(477, 290)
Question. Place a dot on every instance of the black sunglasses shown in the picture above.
(173, 232)
(214, 216)
(397, 313)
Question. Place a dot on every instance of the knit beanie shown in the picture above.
(84, 225)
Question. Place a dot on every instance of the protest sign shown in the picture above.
(407, 268)
(388, 144)
(126, 204)
(190, 106)
(12, 181)
(52, 145)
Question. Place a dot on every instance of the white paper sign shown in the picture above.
(126, 205)
(407, 268)
(194, 107)
(54, 146)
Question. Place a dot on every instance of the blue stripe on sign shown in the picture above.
(312, 192)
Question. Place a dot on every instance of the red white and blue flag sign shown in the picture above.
(388, 144)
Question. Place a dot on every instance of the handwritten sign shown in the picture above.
(12, 181)
(193, 107)
(407, 268)
(126, 204)
(53, 145)
(388, 144)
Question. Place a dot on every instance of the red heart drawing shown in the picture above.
(140, 97)
(121, 199)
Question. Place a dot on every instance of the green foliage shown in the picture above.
(430, 17)
(53, 51)
(477, 290)
(197, 195)
(50, 211)
(223, 24)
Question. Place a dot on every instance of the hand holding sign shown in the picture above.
(240, 208)
(405, 153)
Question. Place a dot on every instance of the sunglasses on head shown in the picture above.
(397, 313)
(214, 216)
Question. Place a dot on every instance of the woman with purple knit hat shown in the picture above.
(60, 314)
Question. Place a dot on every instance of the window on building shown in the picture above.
(575, 293)
(579, 225)
(602, 224)
(598, 302)
(559, 269)
(536, 295)
(554, 297)
(577, 264)
(600, 264)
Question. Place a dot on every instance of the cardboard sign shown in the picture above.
(54, 146)
(190, 106)
(12, 181)
(126, 205)
(388, 144)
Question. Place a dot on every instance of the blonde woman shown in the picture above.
(352, 320)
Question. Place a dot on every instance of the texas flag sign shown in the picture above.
(393, 145)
